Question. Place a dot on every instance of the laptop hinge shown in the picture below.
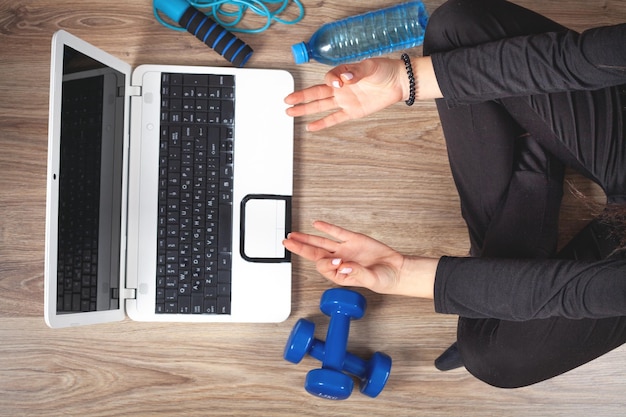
(128, 294)
(134, 91)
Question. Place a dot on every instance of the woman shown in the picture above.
(520, 98)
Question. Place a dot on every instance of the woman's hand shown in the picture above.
(352, 91)
(353, 259)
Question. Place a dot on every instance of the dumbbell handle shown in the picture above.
(351, 364)
(336, 345)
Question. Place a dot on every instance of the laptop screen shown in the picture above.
(90, 185)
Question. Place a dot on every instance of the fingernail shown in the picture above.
(336, 84)
(345, 270)
(336, 261)
(347, 76)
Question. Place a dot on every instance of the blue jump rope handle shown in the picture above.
(206, 30)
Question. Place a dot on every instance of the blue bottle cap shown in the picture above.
(300, 53)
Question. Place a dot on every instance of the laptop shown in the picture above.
(168, 191)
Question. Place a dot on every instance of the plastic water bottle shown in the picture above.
(370, 34)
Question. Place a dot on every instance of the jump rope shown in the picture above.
(214, 21)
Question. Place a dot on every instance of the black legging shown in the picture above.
(507, 159)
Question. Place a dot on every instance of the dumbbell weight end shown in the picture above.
(329, 384)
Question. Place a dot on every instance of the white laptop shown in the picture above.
(166, 214)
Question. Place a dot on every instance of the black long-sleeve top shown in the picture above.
(528, 289)
(525, 65)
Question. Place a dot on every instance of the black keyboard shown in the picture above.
(194, 247)
(79, 199)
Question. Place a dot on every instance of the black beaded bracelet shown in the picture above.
(409, 72)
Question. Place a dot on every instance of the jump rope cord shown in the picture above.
(234, 10)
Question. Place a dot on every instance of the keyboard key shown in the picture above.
(184, 305)
(196, 79)
(223, 305)
(210, 305)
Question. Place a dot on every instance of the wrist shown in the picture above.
(426, 85)
(425, 73)
(417, 277)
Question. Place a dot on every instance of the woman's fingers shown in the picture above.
(308, 252)
(335, 270)
(333, 266)
(313, 247)
(330, 246)
(313, 107)
(328, 121)
(314, 240)
(346, 274)
(310, 247)
(317, 92)
(347, 73)
(337, 232)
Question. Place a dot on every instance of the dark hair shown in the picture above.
(612, 214)
(615, 216)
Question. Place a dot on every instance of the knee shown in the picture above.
(447, 24)
(460, 23)
(501, 362)
(492, 368)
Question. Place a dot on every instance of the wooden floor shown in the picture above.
(386, 176)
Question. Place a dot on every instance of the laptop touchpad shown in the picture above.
(265, 223)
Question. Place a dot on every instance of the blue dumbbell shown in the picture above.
(373, 374)
(330, 382)
(342, 306)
